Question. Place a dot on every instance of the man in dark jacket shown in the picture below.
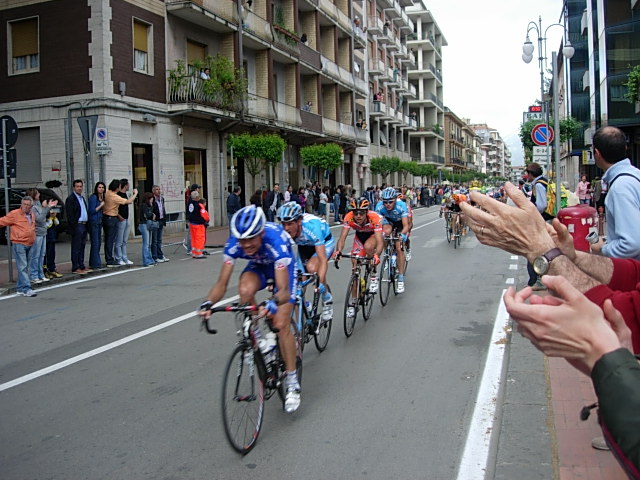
(161, 215)
(233, 202)
(77, 215)
(273, 201)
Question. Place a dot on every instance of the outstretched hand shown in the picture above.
(568, 326)
(520, 230)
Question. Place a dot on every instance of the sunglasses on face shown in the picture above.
(388, 202)
(359, 212)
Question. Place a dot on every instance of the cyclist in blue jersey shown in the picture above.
(395, 216)
(269, 250)
(315, 246)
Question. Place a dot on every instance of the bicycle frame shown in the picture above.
(305, 279)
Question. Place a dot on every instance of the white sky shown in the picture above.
(484, 77)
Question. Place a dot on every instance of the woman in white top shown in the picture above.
(323, 205)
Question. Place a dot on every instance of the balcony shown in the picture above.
(375, 25)
(406, 3)
(438, 159)
(394, 77)
(377, 109)
(258, 26)
(218, 15)
(360, 37)
(190, 89)
(285, 40)
(402, 52)
(394, 12)
(406, 24)
(376, 66)
(411, 91)
(338, 129)
(310, 56)
(335, 71)
(337, 15)
(393, 45)
(427, 132)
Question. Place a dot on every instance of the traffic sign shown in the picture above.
(87, 126)
(526, 116)
(11, 163)
(542, 134)
(102, 137)
(11, 127)
(541, 150)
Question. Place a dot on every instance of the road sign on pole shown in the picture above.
(542, 134)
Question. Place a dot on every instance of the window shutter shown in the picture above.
(140, 36)
(24, 37)
(195, 51)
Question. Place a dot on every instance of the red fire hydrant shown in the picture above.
(580, 221)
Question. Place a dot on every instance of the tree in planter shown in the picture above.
(569, 128)
(383, 166)
(408, 168)
(324, 157)
(257, 151)
(424, 170)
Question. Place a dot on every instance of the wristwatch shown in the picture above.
(542, 263)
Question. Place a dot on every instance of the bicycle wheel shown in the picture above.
(447, 228)
(323, 330)
(242, 400)
(394, 278)
(384, 285)
(368, 297)
(350, 322)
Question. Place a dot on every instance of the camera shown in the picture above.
(593, 237)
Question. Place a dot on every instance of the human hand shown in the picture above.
(520, 230)
(568, 326)
(616, 320)
(204, 311)
(597, 247)
(562, 238)
(376, 259)
(135, 191)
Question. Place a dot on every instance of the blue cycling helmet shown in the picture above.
(289, 211)
(389, 193)
(247, 222)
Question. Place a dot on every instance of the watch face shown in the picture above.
(540, 265)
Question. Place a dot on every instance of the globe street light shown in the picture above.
(527, 56)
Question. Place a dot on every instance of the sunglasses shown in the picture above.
(387, 202)
(359, 212)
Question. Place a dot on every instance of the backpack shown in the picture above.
(552, 209)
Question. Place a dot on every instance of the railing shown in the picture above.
(412, 90)
(437, 159)
(285, 40)
(222, 8)
(359, 35)
(257, 26)
(192, 90)
(331, 127)
(378, 107)
(375, 23)
(310, 56)
(361, 85)
(362, 135)
(336, 14)
(311, 121)
(376, 65)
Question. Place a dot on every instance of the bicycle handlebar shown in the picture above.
(346, 255)
(228, 308)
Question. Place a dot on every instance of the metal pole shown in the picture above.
(5, 161)
(556, 127)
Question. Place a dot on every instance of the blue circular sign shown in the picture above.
(540, 133)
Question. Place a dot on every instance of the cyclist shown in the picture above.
(315, 246)
(395, 216)
(270, 253)
(407, 244)
(452, 204)
(368, 240)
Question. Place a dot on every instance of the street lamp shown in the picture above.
(527, 56)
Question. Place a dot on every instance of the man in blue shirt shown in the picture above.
(77, 216)
(622, 203)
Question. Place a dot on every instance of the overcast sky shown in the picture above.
(484, 76)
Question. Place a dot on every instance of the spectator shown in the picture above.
(303, 39)
(300, 198)
(198, 222)
(146, 215)
(23, 234)
(110, 218)
(310, 198)
(273, 202)
(307, 107)
(287, 194)
(323, 204)
(596, 343)
(52, 238)
(233, 202)
(205, 74)
(77, 217)
(596, 187)
(583, 191)
(122, 233)
(40, 213)
(187, 199)
(539, 198)
(342, 208)
(161, 216)
(336, 204)
(622, 203)
(256, 198)
(96, 202)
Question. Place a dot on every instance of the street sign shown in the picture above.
(542, 134)
(526, 116)
(102, 137)
(541, 150)
(88, 126)
(11, 127)
(102, 150)
(11, 163)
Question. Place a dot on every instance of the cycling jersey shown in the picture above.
(314, 232)
(397, 213)
(275, 253)
(373, 223)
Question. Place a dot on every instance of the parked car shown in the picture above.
(15, 199)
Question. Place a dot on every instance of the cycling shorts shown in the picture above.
(305, 252)
(267, 272)
(358, 243)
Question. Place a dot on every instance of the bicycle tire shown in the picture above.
(384, 285)
(394, 278)
(243, 397)
(349, 323)
(322, 333)
(368, 297)
(448, 230)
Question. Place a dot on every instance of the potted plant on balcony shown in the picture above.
(633, 87)
(178, 81)
(282, 32)
(436, 128)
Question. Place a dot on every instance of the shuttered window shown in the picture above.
(142, 47)
(196, 52)
(24, 46)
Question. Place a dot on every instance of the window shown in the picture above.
(196, 52)
(24, 46)
(142, 47)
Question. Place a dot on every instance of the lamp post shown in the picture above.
(527, 56)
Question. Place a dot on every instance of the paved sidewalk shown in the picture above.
(172, 246)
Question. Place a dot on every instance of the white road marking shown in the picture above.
(513, 266)
(104, 348)
(514, 257)
(476, 451)
(510, 281)
(81, 280)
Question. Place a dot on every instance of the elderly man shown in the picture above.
(23, 234)
(198, 222)
(550, 249)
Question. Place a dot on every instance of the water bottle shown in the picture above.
(393, 260)
(268, 348)
(307, 305)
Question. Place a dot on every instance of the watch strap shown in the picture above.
(551, 254)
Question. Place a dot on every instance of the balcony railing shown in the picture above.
(436, 159)
(310, 56)
(375, 25)
(225, 9)
(192, 90)
(336, 14)
(257, 26)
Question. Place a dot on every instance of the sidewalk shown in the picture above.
(172, 246)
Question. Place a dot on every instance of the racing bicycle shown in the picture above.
(389, 271)
(359, 295)
(307, 316)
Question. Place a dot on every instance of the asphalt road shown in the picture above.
(393, 401)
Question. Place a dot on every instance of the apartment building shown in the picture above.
(427, 142)
(494, 152)
(607, 45)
